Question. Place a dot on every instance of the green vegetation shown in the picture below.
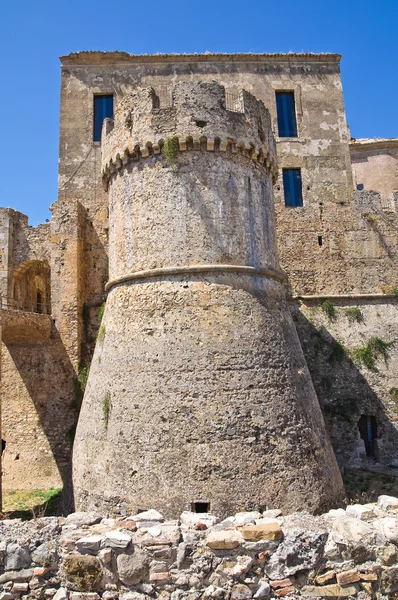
(329, 310)
(354, 314)
(82, 377)
(394, 393)
(390, 289)
(370, 352)
(101, 312)
(28, 503)
(101, 333)
(170, 151)
(107, 407)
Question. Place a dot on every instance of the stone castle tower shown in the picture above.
(199, 396)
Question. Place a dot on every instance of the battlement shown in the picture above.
(202, 117)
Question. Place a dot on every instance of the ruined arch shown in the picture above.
(31, 287)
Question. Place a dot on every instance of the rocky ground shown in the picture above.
(348, 553)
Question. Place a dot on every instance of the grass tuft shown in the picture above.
(354, 314)
(170, 151)
(370, 352)
(106, 408)
(329, 310)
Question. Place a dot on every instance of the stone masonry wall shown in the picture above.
(348, 553)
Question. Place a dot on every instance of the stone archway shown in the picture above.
(31, 288)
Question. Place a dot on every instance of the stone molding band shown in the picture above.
(190, 269)
(136, 151)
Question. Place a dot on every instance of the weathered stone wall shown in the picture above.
(375, 165)
(344, 554)
(38, 414)
(203, 366)
(345, 386)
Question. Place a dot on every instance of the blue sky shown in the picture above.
(34, 34)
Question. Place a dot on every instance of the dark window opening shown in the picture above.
(360, 186)
(3, 446)
(367, 426)
(200, 123)
(292, 187)
(39, 304)
(16, 457)
(103, 109)
(320, 241)
(286, 112)
(200, 507)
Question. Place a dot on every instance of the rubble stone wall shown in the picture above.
(348, 553)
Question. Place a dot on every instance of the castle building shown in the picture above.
(326, 206)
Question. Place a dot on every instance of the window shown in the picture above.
(292, 187)
(287, 126)
(103, 108)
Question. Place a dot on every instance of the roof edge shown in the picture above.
(95, 57)
(372, 143)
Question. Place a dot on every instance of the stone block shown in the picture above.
(266, 531)
(17, 557)
(83, 572)
(387, 502)
(240, 592)
(325, 577)
(328, 591)
(348, 577)
(132, 568)
(224, 540)
(89, 545)
(81, 519)
(116, 539)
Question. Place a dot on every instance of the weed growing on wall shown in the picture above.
(354, 314)
(101, 312)
(370, 352)
(82, 377)
(390, 290)
(106, 408)
(170, 151)
(101, 333)
(394, 393)
(328, 308)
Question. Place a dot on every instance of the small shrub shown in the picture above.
(354, 314)
(106, 408)
(394, 393)
(101, 312)
(329, 309)
(170, 151)
(82, 377)
(101, 333)
(390, 289)
(370, 352)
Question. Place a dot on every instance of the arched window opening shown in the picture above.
(31, 289)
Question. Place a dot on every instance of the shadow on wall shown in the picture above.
(363, 434)
(52, 397)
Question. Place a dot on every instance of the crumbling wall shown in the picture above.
(344, 553)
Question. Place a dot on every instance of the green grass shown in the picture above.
(29, 503)
(394, 393)
(370, 352)
(354, 314)
(170, 151)
(328, 308)
(82, 376)
(101, 312)
(101, 333)
(107, 407)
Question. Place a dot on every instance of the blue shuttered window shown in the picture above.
(287, 125)
(292, 187)
(103, 108)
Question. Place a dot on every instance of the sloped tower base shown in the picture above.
(198, 390)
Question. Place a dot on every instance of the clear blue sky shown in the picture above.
(35, 33)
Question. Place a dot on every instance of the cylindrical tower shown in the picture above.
(198, 394)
